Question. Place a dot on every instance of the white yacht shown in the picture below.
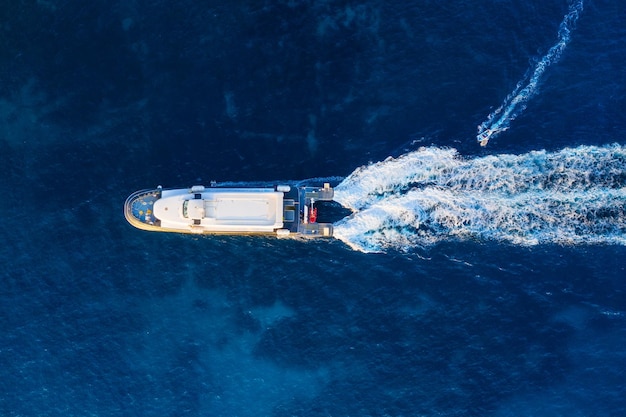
(281, 210)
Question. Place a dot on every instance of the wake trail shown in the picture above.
(515, 103)
(574, 196)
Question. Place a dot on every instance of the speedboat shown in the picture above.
(484, 135)
(281, 210)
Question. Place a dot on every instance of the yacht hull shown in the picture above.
(281, 210)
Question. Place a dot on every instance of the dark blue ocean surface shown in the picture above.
(471, 281)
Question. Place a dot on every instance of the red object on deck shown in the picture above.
(313, 215)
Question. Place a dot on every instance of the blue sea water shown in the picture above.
(469, 281)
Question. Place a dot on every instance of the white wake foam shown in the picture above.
(573, 196)
(515, 103)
